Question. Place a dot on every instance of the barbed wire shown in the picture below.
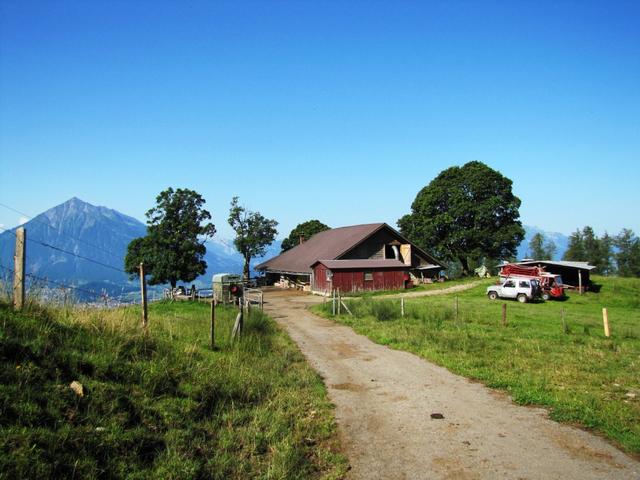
(53, 247)
(93, 293)
(53, 282)
(34, 219)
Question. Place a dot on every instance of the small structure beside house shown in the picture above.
(575, 274)
(360, 257)
(222, 285)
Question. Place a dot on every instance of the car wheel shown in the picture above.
(546, 296)
(492, 295)
(522, 298)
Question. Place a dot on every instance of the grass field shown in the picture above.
(571, 368)
(162, 405)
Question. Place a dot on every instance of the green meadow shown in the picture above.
(568, 365)
(160, 405)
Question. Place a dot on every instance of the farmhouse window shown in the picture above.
(329, 275)
(368, 276)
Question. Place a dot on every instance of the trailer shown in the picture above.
(550, 284)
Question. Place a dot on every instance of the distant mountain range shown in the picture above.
(560, 240)
(102, 235)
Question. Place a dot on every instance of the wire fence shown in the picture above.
(46, 290)
(67, 252)
(574, 316)
(48, 225)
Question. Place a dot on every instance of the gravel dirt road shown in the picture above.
(434, 292)
(385, 400)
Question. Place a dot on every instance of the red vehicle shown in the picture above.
(551, 284)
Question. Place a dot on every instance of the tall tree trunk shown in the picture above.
(245, 271)
(173, 283)
(465, 265)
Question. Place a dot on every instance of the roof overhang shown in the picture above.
(564, 264)
(284, 272)
(361, 264)
(427, 267)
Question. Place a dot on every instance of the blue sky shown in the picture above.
(340, 111)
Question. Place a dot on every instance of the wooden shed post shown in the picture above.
(605, 321)
(580, 281)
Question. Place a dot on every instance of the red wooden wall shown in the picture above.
(353, 280)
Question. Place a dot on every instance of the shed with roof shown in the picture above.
(360, 257)
(576, 274)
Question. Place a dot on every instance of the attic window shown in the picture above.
(329, 275)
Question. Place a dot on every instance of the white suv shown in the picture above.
(521, 289)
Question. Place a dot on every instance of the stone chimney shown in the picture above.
(301, 239)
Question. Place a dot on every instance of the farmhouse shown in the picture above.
(360, 257)
(575, 274)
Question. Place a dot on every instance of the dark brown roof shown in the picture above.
(328, 244)
(361, 264)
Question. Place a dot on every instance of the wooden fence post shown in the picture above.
(605, 320)
(346, 308)
(18, 269)
(143, 294)
(564, 322)
(456, 308)
(339, 302)
(504, 314)
(237, 326)
(333, 302)
(402, 306)
(212, 326)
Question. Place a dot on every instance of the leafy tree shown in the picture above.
(536, 247)
(306, 230)
(604, 260)
(254, 233)
(575, 250)
(540, 248)
(550, 249)
(628, 254)
(466, 213)
(585, 246)
(591, 245)
(173, 248)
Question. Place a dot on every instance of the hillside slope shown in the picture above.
(158, 406)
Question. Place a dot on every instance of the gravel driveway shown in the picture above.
(385, 400)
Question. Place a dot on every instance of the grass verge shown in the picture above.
(162, 405)
(569, 367)
(424, 287)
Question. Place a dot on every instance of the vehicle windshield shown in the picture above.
(558, 280)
